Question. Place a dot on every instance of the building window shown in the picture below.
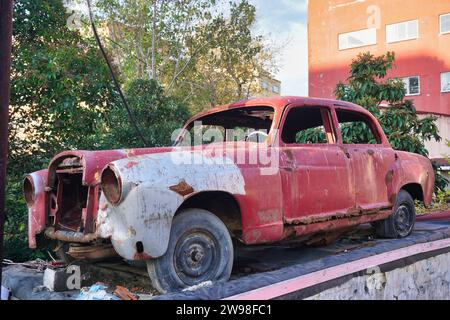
(402, 31)
(445, 82)
(275, 89)
(412, 85)
(357, 39)
(445, 23)
(264, 85)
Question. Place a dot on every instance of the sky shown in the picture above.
(285, 23)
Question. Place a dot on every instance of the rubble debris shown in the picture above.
(55, 279)
(96, 292)
(38, 264)
(124, 293)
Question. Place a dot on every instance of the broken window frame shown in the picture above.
(366, 119)
(189, 125)
(327, 122)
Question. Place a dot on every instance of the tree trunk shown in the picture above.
(154, 40)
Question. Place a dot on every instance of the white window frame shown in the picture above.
(442, 82)
(275, 88)
(440, 23)
(405, 39)
(369, 43)
(408, 94)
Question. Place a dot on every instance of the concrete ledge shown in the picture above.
(307, 278)
(428, 279)
(357, 266)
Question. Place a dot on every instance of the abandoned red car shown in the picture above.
(257, 171)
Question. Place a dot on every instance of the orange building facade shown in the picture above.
(418, 31)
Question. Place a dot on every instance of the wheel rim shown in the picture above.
(403, 220)
(196, 257)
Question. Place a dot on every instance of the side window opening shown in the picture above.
(305, 125)
(356, 128)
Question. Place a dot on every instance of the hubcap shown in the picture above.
(403, 220)
(196, 257)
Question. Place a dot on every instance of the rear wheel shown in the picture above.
(200, 249)
(401, 223)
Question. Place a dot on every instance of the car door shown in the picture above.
(370, 157)
(317, 181)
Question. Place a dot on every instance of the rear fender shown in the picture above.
(411, 171)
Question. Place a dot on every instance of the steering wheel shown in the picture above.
(254, 133)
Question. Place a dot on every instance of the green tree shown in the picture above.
(158, 116)
(369, 86)
(61, 91)
(196, 52)
(228, 68)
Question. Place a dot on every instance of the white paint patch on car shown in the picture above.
(154, 187)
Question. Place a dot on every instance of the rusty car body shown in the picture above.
(129, 198)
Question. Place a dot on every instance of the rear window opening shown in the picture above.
(357, 128)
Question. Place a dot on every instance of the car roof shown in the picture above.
(279, 103)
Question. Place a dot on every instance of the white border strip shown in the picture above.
(321, 276)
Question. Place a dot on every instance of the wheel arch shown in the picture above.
(222, 204)
(415, 190)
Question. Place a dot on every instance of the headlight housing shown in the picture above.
(111, 184)
(29, 191)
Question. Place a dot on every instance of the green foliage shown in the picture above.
(443, 196)
(157, 117)
(312, 135)
(61, 91)
(204, 56)
(16, 240)
(367, 86)
(61, 88)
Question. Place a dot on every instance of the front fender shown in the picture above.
(37, 211)
(140, 227)
(154, 187)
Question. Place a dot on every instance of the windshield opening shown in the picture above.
(241, 124)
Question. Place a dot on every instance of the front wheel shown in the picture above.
(401, 223)
(200, 249)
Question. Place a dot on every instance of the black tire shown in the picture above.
(401, 223)
(200, 249)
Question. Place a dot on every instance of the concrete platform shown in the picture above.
(290, 271)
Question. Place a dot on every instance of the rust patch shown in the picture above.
(129, 153)
(97, 176)
(352, 212)
(104, 206)
(182, 188)
(268, 215)
(142, 256)
(393, 198)
(131, 232)
(131, 164)
(289, 154)
(389, 177)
